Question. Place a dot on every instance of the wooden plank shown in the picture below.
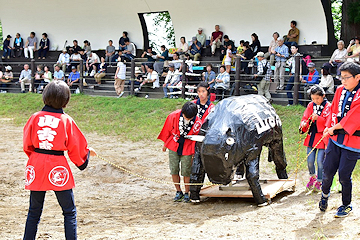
(241, 189)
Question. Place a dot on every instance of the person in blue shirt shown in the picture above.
(195, 49)
(312, 77)
(281, 54)
(73, 78)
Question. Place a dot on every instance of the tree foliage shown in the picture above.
(163, 20)
(354, 12)
(336, 9)
(1, 36)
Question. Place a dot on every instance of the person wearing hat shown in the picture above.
(312, 77)
(195, 49)
(73, 78)
(63, 60)
(354, 48)
(172, 79)
(326, 81)
(6, 47)
(201, 37)
(264, 72)
(18, 46)
(6, 78)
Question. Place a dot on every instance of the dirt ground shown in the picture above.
(114, 205)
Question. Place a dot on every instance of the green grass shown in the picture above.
(138, 119)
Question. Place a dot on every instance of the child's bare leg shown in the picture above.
(176, 179)
(187, 187)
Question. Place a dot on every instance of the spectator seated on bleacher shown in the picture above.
(130, 51)
(39, 77)
(195, 49)
(246, 57)
(75, 48)
(177, 62)
(172, 80)
(109, 52)
(58, 73)
(44, 46)
(102, 71)
(92, 63)
(63, 60)
(309, 80)
(255, 45)
(122, 45)
(73, 78)
(25, 78)
(30, 45)
(152, 77)
(47, 78)
(6, 47)
(209, 77)
(326, 81)
(75, 59)
(201, 37)
(161, 58)
(150, 57)
(274, 43)
(354, 49)
(138, 79)
(183, 47)
(87, 48)
(337, 58)
(18, 46)
(5, 78)
(293, 34)
(216, 39)
(240, 48)
(222, 83)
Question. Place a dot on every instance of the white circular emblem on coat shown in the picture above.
(59, 176)
(29, 175)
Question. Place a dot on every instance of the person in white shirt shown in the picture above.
(337, 58)
(152, 77)
(222, 83)
(92, 63)
(172, 79)
(120, 76)
(63, 60)
(326, 81)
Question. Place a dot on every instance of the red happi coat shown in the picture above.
(170, 133)
(51, 129)
(320, 126)
(207, 111)
(350, 123)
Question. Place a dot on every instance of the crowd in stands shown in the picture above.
(281, 54)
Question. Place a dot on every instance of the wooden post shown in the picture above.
(132, 76)
(81, 85)
(237, 76)
(183, 79)
(33, 70)
(296, 80)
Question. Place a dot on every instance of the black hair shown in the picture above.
(242, 41)
(352, 68)
(209, 65)
(247, 44)
(294, 44)
(45, 34)
(87, 42)
(183, 38)
(19, 34)
(226, 36)
(187, 55)
(110, 40)
(126, 39)
(317, 90)
(294, 22)
(325, 71)
(126, 33)
(32, 33)
(177, 54)
(163, 46)
(276, 34)
(222, 66)
(204, 85)
(255, 36)
(47, 67)
(75, 41)
(149, 48)
(189, 109)
(56, 94)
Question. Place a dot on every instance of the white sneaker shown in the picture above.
(136, 90)
(120, 95)
(146, 96)
(92, 73)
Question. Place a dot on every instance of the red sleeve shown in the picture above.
(27, 142)
(351, 122)
(76, 144)
(166, 130)
(307, 113)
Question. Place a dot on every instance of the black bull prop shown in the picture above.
(234, 134)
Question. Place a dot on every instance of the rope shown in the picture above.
(153, 179)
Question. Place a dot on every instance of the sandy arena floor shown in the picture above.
(114, 205)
